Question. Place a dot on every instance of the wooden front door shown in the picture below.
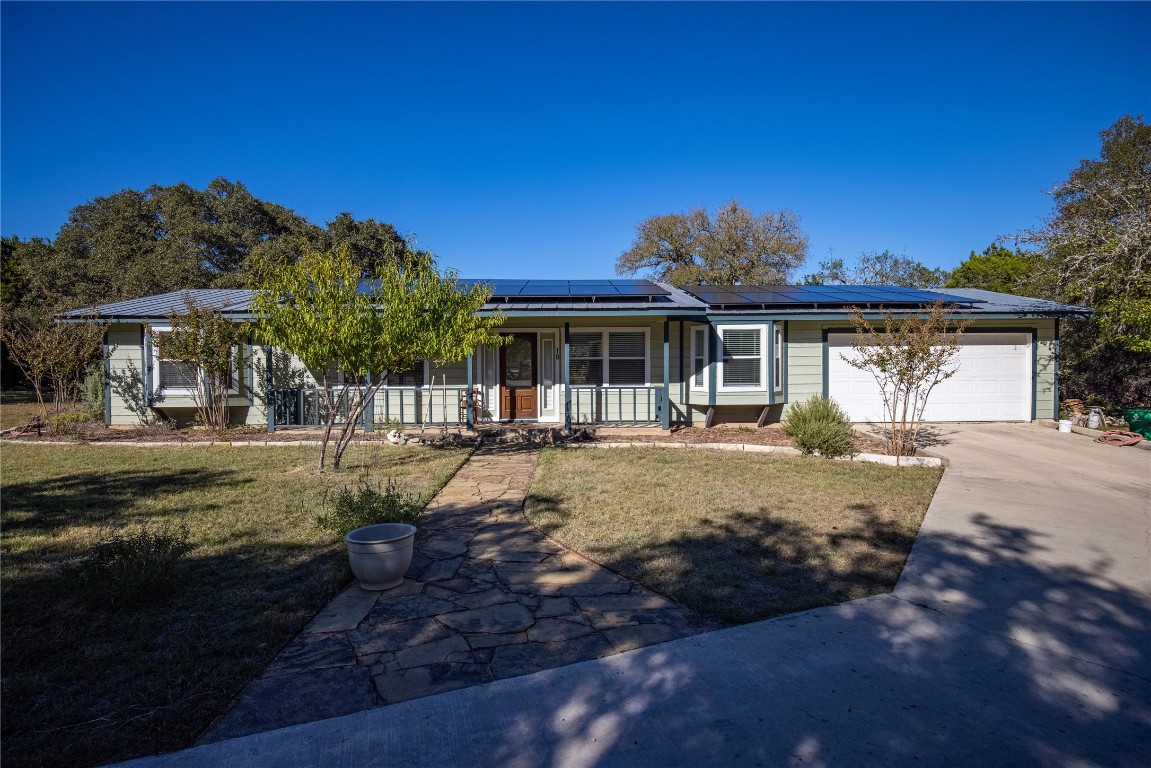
(519, 377)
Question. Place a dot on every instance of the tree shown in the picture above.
(315, 308)
(872, 268)
(1000, 269)
(737, 247)
(908, 356)
(1096, 248)
(370, 242)
(56, 353)
(207, 344)
(1098, 240)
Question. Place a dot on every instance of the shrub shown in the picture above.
(92, 391)
(820, 425)
(136, 566)
(365, 505)
(68, 422)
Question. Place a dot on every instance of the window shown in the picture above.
(778, 358)
(699, 357)
(743, 363)
(178, 378)
(612, 358)
(413, 377)
(586, 356)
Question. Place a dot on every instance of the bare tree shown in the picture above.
(58, 354)
(909, 356)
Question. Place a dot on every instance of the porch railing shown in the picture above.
(440, 406)
(617, 405)
(435, 406)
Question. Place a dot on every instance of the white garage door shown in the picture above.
(993, 382)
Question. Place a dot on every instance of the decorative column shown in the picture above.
(567, 378)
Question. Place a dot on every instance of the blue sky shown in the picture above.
(527, 140)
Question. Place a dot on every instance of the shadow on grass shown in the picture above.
(85, 685)
(747, 566)
(103, 497)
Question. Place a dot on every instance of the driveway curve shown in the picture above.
(1019, 634)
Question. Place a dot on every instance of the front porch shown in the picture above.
(461, 406)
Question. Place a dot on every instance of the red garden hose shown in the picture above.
(1115, 437)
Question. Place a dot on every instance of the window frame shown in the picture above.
(777, 357)
(697, 354)
(154, 360)
(762, 328)
(605, 344)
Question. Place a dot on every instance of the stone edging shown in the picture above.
(874, 458)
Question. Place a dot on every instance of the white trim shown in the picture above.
(763, 345)
(777, 357)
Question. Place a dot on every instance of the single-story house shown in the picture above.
(622, 352)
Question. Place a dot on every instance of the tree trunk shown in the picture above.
(354, 415)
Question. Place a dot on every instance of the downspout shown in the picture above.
(107, 384)
(712, 371)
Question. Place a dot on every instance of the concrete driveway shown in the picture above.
(1019, 634)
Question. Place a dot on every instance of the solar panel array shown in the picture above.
(606, 289)
(815, 295)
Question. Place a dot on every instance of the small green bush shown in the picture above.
(134, 566)
(820, 426)
(68, 422)
(356, 507)
(92, 391)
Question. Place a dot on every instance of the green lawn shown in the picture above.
(739, 537)
(84, 683)
(17, 406)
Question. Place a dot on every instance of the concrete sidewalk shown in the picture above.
(1018, 635)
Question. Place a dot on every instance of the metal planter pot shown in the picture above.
(380, 554)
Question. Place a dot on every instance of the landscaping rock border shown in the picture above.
(874, 458)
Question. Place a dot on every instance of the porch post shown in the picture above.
(665, 423)
(370, 410)
(712, 370)
(567, 378)
(146, 365)
(108, 384)
(469, 401)
(269, 401)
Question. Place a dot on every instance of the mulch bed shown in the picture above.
(771, 434)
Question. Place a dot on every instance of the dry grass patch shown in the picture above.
(741, 537)
(89, 679)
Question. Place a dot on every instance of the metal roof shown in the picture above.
(782, 300)
(227, 300)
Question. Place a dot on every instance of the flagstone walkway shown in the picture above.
(487, 597)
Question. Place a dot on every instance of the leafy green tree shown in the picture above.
(1096, 246)
(370, 242)
(137, 243)
(874, 268)
(736, 247)
(1000, 269)
(314, 308)
(1098, 240)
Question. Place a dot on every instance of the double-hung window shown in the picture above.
(699, 336)
(176, 378)
(743, 364)
(608, 358)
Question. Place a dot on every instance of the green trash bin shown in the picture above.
(1139, 419)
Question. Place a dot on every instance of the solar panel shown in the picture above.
(638, 288)
(839, 295)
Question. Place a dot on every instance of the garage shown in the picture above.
(993, 382)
